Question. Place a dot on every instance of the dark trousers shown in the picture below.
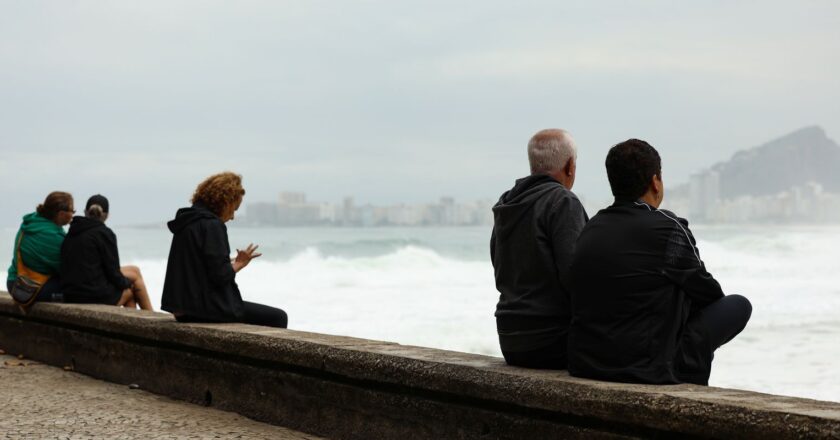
(50, 292)
(257, 314)
(552, 357)
(707, 329)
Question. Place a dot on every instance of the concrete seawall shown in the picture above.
(342, 387)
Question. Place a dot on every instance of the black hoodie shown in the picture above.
(90, 263)
(535, 227)
(199, 277)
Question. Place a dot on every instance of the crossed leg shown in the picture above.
(137, 293)
(706, 330)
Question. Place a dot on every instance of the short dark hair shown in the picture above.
(630, 167)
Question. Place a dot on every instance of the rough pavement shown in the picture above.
(40, 402)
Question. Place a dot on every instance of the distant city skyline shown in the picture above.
(791, 179)
(803, 204)
(700, 199)
(293, 209)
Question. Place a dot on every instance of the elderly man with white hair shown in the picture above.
(536, 224)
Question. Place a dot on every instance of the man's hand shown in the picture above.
(244, 257)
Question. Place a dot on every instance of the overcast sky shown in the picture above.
(389, 101)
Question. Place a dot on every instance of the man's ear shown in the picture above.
(656, 184)
(569, 169)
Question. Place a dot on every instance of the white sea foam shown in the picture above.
(413, 296)
(790, 345)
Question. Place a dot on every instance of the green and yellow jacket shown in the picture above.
(41, 245)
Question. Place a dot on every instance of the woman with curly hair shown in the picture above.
(200, 283)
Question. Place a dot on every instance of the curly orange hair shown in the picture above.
(219, 191)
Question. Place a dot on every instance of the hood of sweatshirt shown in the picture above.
(515, 204)
(83, 224)
(34, 223)
(185, 216)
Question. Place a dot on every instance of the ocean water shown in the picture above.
(434, 287)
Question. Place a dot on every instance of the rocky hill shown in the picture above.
(805, 155)
(799, 157)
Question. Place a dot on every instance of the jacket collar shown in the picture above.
(633, 203)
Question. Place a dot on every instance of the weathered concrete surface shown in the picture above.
(353, 388)
(41, 402)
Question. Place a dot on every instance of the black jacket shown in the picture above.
(635, 277)
(199, 277)
(90, 262)
(535, 227)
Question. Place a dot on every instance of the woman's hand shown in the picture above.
(244, 257)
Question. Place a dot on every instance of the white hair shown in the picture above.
(550, 150)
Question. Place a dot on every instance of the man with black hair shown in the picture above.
(644, 308)
(535, 227)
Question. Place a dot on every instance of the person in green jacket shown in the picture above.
(40, 247)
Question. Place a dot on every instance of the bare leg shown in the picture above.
(138, 287)
(127, 299)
